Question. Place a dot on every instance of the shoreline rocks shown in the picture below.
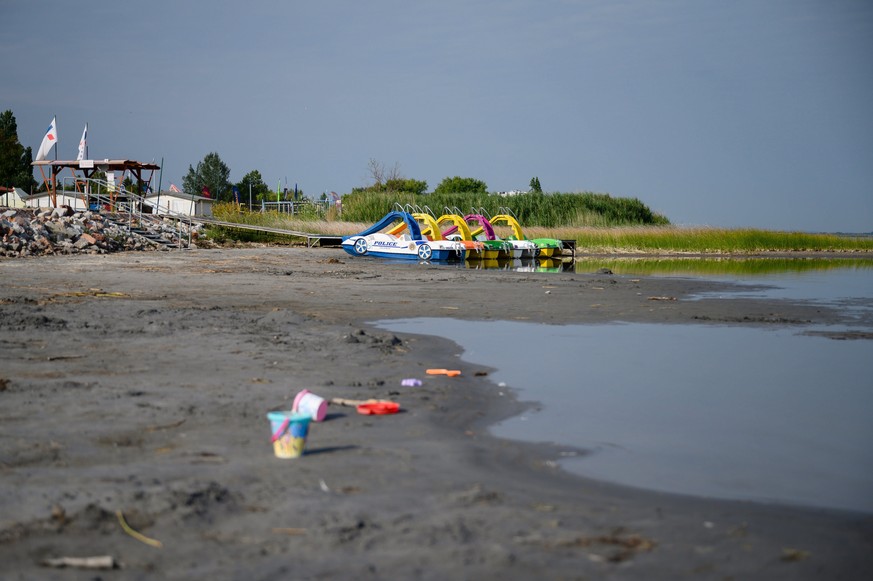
(43, 231)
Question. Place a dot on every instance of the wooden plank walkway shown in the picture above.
(311, 239)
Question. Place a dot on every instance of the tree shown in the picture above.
(458, 185)
(417, 187)
(535, 185)
(211, 173)
(140, 188)
(380, 174)
(391, 180)
(259, 189)
(15, 159)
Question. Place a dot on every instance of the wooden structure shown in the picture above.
(90, 166)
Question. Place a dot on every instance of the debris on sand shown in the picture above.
(101, 562)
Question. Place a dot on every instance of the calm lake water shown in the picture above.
(768, 415)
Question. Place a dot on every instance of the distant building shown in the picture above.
(511, 193)
(44, 200)
(13, 197)
(179, 203)
(170, 202)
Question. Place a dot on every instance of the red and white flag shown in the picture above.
(83, 144)
(49, 141)
(173, 187)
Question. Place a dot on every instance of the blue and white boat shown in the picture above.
(398, 235)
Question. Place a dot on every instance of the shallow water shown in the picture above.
(726, 412)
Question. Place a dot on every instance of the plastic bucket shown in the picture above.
(289, 431)
(307, 402)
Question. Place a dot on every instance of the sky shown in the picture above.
(740, 114)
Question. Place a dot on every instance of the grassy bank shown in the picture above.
(656, 240)
(589, 239)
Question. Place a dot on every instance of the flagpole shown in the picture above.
(82, 155)
(54, 195)
(160, 179)
(87, 184)
(79, 157)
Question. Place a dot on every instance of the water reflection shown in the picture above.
(724, 412)
(522, 264)
(842, 282)
(718, 267)
(514, 264)
(673, 266)
(845, 283)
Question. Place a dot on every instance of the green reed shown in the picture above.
(655, 240)
(547, 210)
(592, 236)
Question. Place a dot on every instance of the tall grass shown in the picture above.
(591, 238)
(548, 210)
(712, 240)
(306, 221)
(230, 212)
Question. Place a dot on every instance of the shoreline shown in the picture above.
(569, 389)
(163, 376)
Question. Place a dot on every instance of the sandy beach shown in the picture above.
(137, 384)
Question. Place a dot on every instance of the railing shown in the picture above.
(118, 199)
(295, 207)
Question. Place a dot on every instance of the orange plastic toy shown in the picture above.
(449, 372)
(378, 408)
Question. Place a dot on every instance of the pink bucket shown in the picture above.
(308, 403)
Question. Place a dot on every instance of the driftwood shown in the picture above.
(102, 562)
(292, 532)
(370, 406)
(350, 402)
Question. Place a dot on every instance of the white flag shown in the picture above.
(51, 137)
(82, 144)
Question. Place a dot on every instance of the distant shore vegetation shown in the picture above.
(594, 232)
(708, 240)
(597, 222)
(533, 208)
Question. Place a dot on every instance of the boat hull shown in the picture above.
(548, 247)
(523, 249)
(386, 246)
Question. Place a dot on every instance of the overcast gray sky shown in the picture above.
(748, 113)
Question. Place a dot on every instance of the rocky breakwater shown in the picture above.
(36, 232)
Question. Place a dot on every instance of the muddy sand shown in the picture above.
(136, 384)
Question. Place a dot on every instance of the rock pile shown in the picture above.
(40, 231)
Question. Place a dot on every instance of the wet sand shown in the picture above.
(139, 383)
